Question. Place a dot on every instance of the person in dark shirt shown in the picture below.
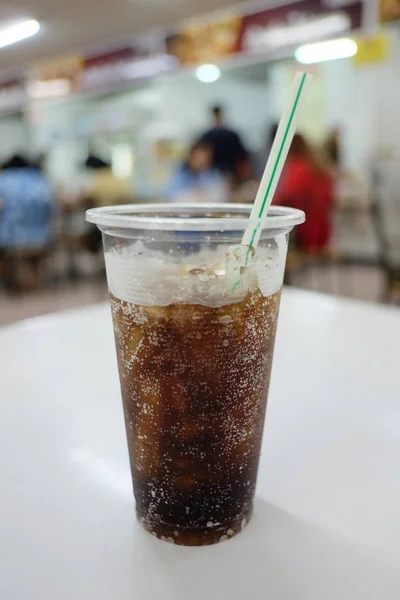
(230, 154)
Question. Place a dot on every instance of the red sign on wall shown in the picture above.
(267, 32)
(145, 59)
(275, 29)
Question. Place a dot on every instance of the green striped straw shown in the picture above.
(276, 160)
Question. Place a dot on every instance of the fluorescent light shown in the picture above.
(208, 73)
(48, 89)
(329, 50)
(19, 32)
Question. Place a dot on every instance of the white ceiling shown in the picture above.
(72, 25)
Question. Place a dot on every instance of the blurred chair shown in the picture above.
(349, 265)
(76, 237)
(24, 225)
(387, 220)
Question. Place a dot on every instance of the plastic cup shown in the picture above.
(194, 332)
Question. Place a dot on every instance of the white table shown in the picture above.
(327, 519)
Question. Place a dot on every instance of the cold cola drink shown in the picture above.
(194, 383)
(194, 354)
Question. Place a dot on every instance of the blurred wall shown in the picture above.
(53, 133)
(362, 100)
(248, 105)
(14, 136)
(176, 108)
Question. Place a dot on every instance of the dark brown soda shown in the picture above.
(194, 383)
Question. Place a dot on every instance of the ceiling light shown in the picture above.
(208, 73)
(19, 32)
(322, 51)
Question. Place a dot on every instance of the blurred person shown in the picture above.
(332, 150)
(104, 188)
(307, 184)
(230, 156)
(26, 204)
(101, 188)
(196, 178)
(15, 162)
(95, 162)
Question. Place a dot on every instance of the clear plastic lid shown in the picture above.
(190, 217)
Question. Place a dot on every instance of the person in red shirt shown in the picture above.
(306, 184)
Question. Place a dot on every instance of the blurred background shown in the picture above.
(145, 100)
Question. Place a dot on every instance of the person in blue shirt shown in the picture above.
(195, 179)
(26, 203)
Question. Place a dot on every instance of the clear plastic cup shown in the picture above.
(194, 327)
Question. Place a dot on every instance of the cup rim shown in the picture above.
(150, 216)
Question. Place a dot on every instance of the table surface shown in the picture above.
(327, 515)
